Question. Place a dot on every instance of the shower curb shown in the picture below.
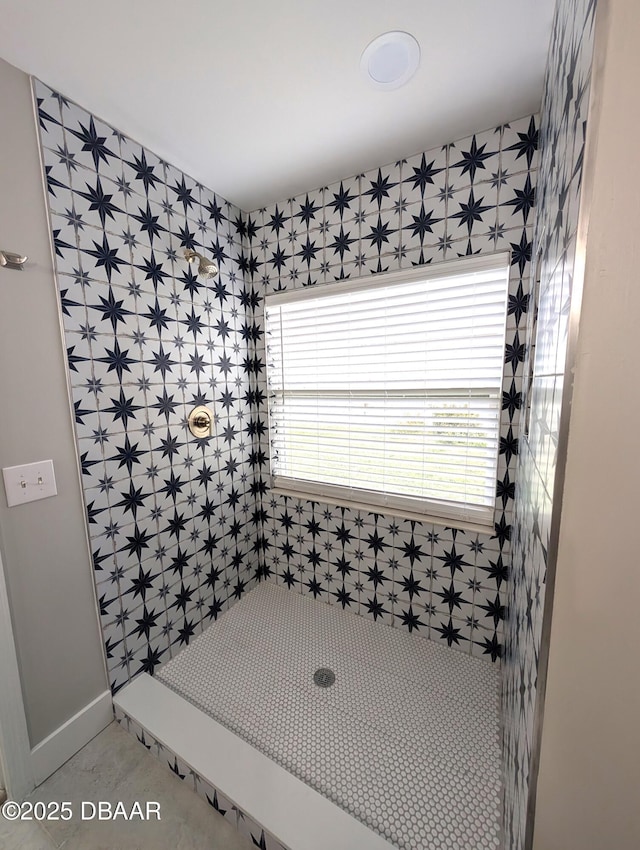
(254, 793)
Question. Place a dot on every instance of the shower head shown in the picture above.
(207, 268)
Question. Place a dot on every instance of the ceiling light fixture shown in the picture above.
(390, 60)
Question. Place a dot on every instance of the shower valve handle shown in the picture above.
(201, 422)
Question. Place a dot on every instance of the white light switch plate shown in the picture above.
(29, 482)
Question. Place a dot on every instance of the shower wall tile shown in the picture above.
(562, 135)
(424, 176)
(147, 340)
(473, 196)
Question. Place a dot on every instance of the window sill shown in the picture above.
(444, 522)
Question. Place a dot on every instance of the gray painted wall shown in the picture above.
(46, 555)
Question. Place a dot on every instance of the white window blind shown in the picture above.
(387, 391)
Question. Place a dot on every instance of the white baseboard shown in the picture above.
(59, 746)
(16, 775)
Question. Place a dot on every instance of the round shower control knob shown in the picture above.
(201, 422)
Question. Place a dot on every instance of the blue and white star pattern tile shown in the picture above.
(473, 196)
(147, 341)
(406, 740)
(563, 122)
(171, 519)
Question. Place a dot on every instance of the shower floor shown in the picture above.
(406, 740)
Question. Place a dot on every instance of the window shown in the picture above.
(386, 392)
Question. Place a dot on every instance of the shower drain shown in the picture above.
(324, 677)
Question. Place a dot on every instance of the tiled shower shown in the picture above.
(181, 529)
(147, 341)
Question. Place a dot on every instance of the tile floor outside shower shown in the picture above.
(114, 767)
(406, 740)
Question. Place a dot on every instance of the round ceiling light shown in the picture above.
(391, 60)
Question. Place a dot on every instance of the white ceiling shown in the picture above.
(263, 99)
